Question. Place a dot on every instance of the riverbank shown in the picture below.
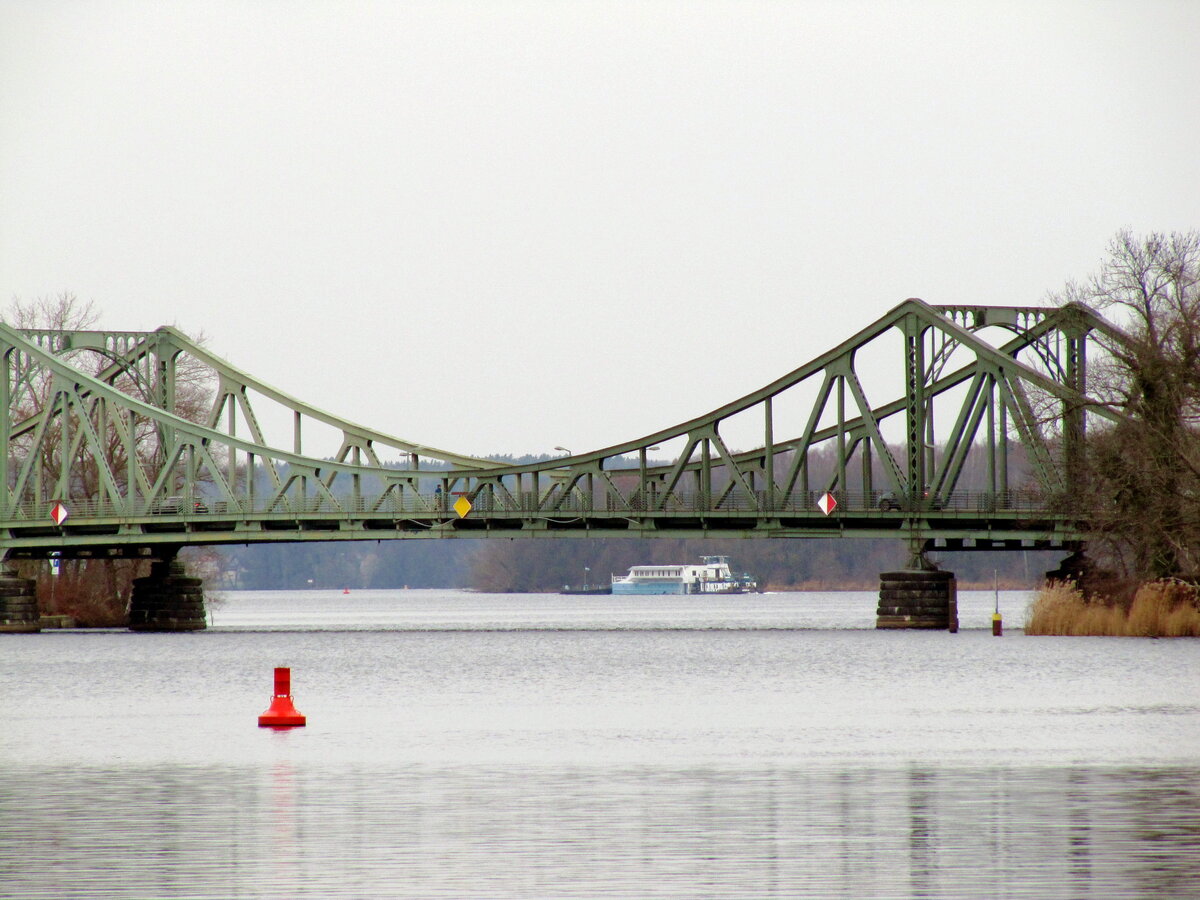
(1159, 609)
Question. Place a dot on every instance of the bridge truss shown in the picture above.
(920, 426)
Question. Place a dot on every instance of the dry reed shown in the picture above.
(1159, 609)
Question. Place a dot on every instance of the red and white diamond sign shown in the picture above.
(59, 513)
(827, 503)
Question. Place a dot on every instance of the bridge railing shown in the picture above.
(437, 506)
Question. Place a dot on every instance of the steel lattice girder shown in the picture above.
(120, 494)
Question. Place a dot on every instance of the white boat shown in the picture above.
(711, 576)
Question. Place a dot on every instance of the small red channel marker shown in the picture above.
(282, 714)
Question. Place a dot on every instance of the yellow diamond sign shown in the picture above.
(462, 506)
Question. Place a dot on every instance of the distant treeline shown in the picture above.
(547, 565)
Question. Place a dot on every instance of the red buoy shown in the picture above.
(282, 714)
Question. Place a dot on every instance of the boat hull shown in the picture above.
(636, 588)
(681, 588)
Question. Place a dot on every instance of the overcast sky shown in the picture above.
(502, 227)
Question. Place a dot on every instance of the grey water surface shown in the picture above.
(514, 746)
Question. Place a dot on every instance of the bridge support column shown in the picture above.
(1081, 571)
(918, 597)
(167, 599)
(1074, 568)
(18, 602)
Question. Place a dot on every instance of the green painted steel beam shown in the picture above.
(601, 492)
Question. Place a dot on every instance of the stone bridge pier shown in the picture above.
(18, 602)
(167, 599)
(1084, 573)
(918, 596)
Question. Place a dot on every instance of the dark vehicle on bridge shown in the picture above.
(176, 506)
(889, 501)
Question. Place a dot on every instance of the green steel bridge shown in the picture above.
(946, 426)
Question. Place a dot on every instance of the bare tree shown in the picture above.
(1142, 488)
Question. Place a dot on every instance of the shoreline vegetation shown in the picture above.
(1167, 608)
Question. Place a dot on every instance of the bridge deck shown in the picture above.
(964, 520)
